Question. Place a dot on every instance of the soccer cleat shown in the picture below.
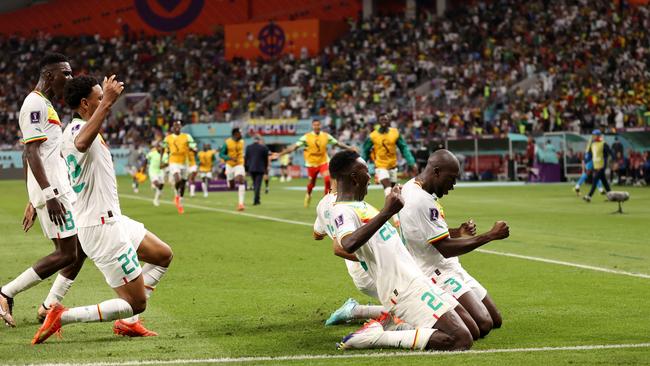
(307, 200)
(577, 191)
(41, 314)
(240, 207)
(266, 190)
(179, 205)
(342, 314)
(364, 338)
(51, 325)
(156, 202)
(6, 310)
(137, 329)
(587, 198)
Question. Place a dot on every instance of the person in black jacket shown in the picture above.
(257, 163)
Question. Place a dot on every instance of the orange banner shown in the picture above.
(269, 39)
(115, 17)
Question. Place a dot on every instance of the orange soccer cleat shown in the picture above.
(137, 329)
(51, 325)
(240, 207)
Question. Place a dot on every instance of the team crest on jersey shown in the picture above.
(434, 214)
(338, 221)
(35, 117)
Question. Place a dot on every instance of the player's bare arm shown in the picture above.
(453, 247)
(55, 209)
(393, 204)
(112, 90)
(465, 229)
(339, 252)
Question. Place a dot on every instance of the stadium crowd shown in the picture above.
(503, 66)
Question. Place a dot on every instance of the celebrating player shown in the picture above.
(382, 143)
(316, 158)
(232, 152)
(156, 161)
(106, 235)
(48, 187)
(206, 160)
(401, 286)
(436, 248)
(192, 170)
(178, 145)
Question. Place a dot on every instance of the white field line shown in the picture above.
(505, 254)
(353, 355)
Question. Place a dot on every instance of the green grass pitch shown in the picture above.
(242, 287)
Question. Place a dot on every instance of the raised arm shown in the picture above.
(340, 252)
(112, 90)
(453, 247)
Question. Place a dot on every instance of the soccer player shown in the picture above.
(436, 248)
(587, 168)
(285, 161)
(49, 190)
(104, 232)
(316, 158)
(155, 164)
(192, 170)
(401, 286)
(178, 145)
(351, 309)
(382, 143)
(206, 160)
(232, 152)
(600, 151)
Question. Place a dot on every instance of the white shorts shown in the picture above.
(109, 247)
(422, 303)
(362, 280)
(193, 169)
(205, 175)
(390, 174)
(451, 282)
(156, 177)
(134, 230)
(234, 171)
(460, 275)
(181, 169)
(52, 230)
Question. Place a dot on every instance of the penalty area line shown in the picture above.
(353, 355)
(486, 251)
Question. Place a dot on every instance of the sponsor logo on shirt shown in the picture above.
(434, 214)
(338, 221)
(35, 117)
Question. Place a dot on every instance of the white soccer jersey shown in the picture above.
(322, 226)
(422, 224)
(39, 122)
(93, 178)
(384, 255)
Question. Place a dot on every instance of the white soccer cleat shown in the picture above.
(364, 338)
(156, 202)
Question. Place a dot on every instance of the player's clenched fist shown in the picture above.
(112, 89)
(394, 201)
(500, 230)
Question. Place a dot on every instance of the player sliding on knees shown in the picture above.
(401, 286)
(107, 237)
(436, 247)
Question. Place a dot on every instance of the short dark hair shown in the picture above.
(235, 130)
(341, 162)
(52, 58)
(78, 88)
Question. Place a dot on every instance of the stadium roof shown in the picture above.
(7, 6)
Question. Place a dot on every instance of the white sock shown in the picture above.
(242, 192)
(192, 189)
(157, 194)
(152, 275)
(106, 311)
(367, 311)
(205, 188)
(59, 288)
(387, 191)
(24, 281)
(407, 339)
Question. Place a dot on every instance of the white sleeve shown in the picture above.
(344, 221)
(319, 227)
(434, 226)
(32, 119)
